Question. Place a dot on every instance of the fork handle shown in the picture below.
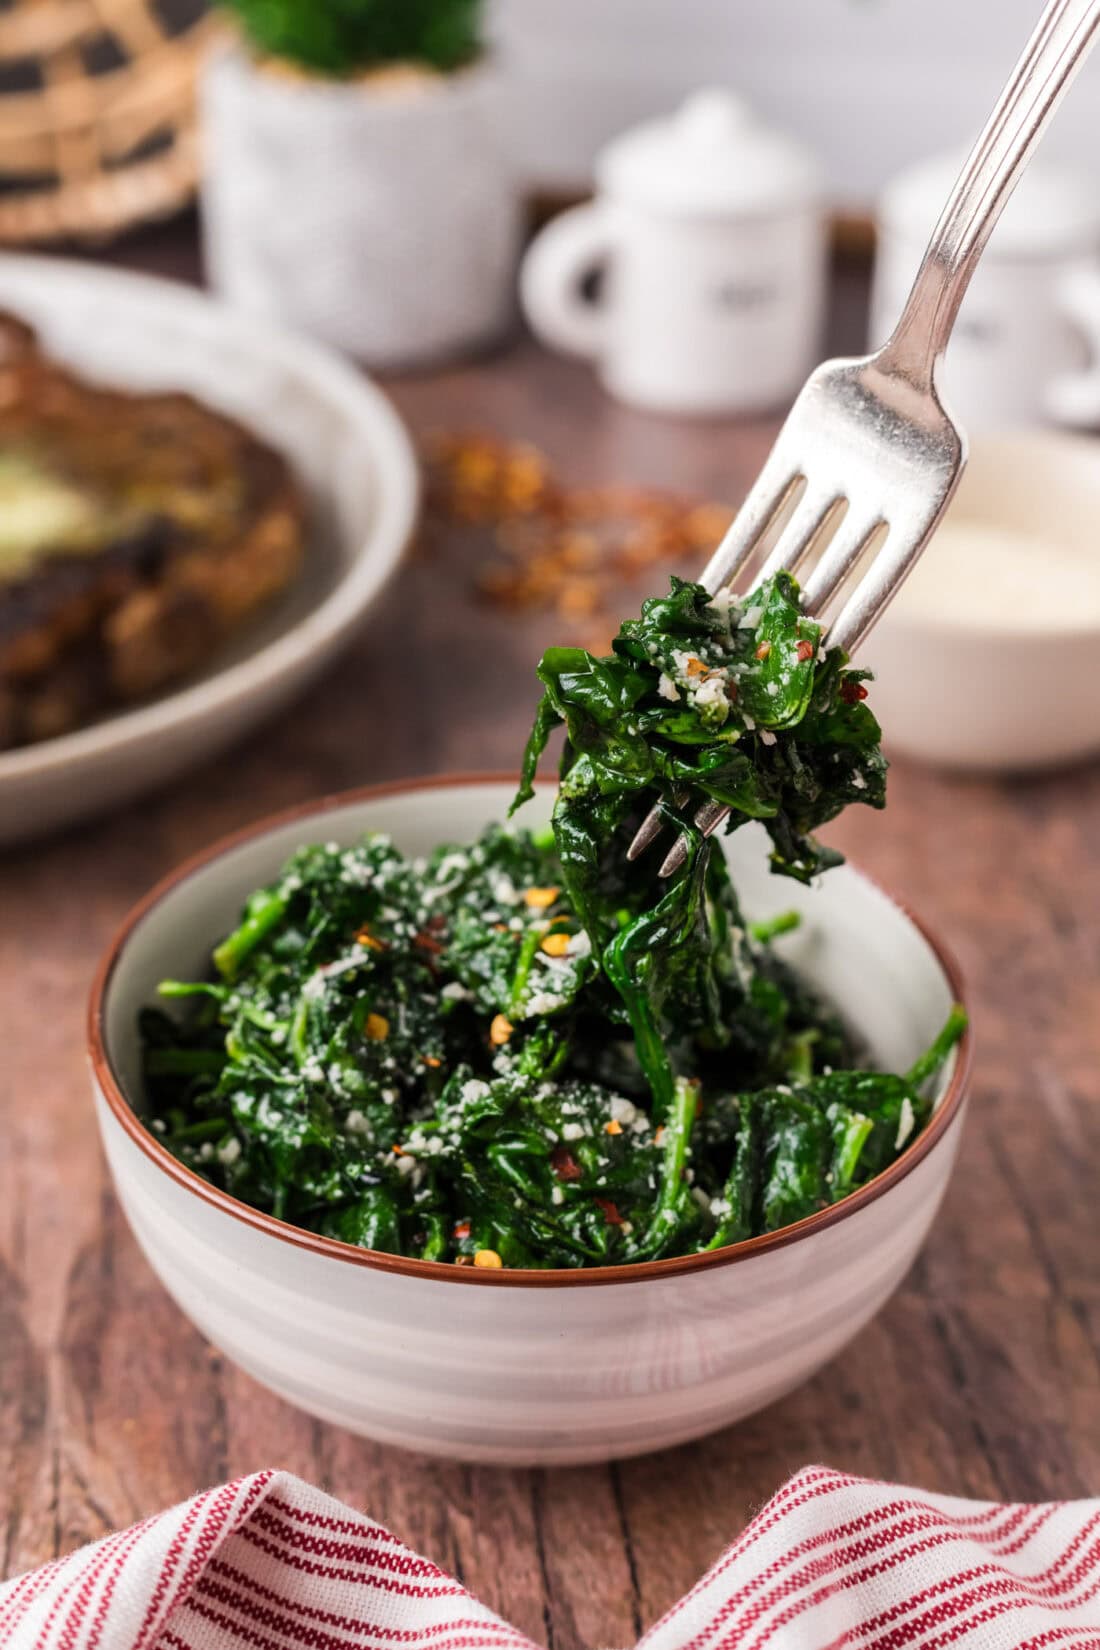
(1052, 57)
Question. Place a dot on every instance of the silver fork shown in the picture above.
(868, 458)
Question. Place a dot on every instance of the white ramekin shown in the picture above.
(987, 692)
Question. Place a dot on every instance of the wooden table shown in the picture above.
(979, 1377)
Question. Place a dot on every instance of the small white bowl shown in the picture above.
(523, 1367)
(346, 444)
(994, 684)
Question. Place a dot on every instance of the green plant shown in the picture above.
(339, 37)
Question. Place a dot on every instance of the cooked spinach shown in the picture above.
(528, 1052)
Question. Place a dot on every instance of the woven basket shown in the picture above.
(97, 116)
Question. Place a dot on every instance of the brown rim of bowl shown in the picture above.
(523, 1278)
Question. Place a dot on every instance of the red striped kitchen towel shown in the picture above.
(269, 1563)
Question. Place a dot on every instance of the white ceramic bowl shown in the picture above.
(345, 443)
(1005, 691)
(523, 1367)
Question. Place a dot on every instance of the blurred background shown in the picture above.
(661, 213)
(871, 84)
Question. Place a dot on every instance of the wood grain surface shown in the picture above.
(980, 1377)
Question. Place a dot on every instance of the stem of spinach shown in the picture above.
(933, 1058)
(681, 1121)
(264, 910)
(530, 945)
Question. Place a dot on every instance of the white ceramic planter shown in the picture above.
(523, 1367)
(383, 221)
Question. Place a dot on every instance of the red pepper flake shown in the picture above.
(805, 651)
(430, 1060)
(610, 1211)
(852, 692)
(461, 1230)
(427, 943)
(763, 650)
(564, 1164)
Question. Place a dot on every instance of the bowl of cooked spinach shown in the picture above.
(686, 1134)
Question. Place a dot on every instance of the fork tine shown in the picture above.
(770, 492)
(859, 613)
(813, 515)
(839, 557)
(708, 819)
(648, 831)
(882, 578)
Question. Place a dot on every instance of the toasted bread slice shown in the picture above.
(136, 533)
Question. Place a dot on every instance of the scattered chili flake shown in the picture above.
(377, 1028)
(763, 650)
(430, 1060)
(580, 551)
(564, 1164)
(461, 1230)
(660, 1134)
(500, 1030)
(365, 937)
(610, 1210)
(560, 547)
(613, 1127)
(852, 692)
(805, 651)
(539, 898)
(487, 1257)
(580, 599)
(695, 667)
(427, 943)
(705, 525)
(556, 945)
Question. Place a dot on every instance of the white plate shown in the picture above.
(346, 444)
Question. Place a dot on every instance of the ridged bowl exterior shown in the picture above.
(510, 1367)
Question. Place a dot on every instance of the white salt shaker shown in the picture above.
(1026, 347)
(708, 232)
